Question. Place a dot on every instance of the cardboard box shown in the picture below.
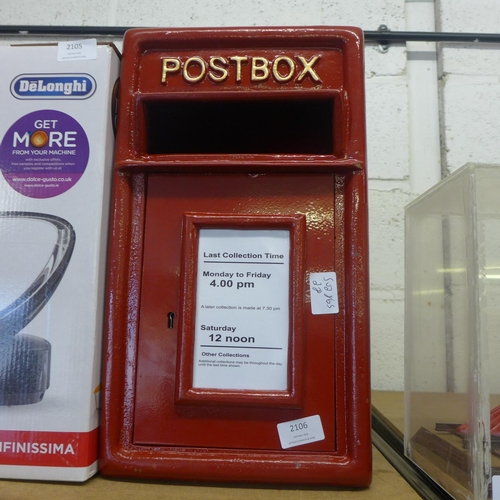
(56, 155)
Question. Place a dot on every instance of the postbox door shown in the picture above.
(160, 419)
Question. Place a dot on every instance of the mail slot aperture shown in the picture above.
(240, 126)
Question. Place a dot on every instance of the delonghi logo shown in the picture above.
(56, 86)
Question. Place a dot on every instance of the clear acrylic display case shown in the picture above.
(452, 331)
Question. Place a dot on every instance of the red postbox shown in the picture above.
(238, 324)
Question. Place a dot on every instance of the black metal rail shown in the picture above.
(383, 37)
(387, 37)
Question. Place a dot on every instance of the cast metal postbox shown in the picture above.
(238, 325)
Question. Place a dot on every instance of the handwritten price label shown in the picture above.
(324, 298)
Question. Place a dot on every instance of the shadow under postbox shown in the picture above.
(238, 324)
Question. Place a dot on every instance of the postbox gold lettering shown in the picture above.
(219, 66)
(308, 68)
(279, 62)
(260, 69)
(170, 65)
(198, 61)
(283, 69)
(238, 60)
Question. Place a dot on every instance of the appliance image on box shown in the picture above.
(25, 358)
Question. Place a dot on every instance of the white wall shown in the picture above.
(470, 85)
(399, 134)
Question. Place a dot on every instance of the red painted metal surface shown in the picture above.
(238, 128)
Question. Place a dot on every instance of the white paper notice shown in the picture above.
(301, 431)
(495, 487)
(77, 50)
(242, 309)
(324, 297)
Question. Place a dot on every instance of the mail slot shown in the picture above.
(237, 344)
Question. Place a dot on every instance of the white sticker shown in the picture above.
(495, 488)
(242, 309)
(77, 50)
(324, 298)
(301, 431)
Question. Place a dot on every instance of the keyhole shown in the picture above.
(170, 317)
